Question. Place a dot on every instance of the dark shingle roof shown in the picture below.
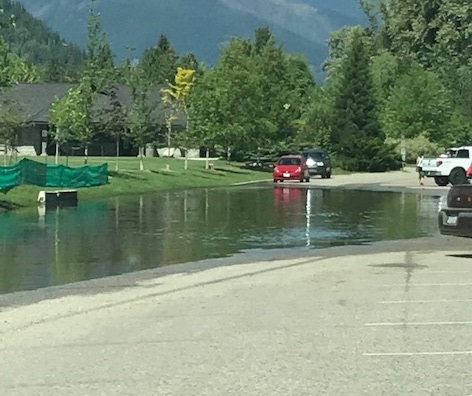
(35, 100)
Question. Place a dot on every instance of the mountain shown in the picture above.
(34, 41)
(203, 26)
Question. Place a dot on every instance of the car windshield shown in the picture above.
(289, 161)
(318, 155)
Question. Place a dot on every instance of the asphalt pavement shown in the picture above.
(393, 318)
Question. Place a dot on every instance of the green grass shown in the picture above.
(130, 180)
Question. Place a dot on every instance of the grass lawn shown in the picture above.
(130, 180)
(159, 174)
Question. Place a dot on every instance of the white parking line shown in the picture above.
(423, 301)
(385, 324)
(446, 272)
(427, 284)
(419, 353)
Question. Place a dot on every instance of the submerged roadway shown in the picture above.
(393, 318)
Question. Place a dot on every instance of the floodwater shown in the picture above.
(110, 237)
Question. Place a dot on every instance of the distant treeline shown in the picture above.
(405, 80)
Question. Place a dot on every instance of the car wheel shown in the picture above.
(328, 175)
(441, 180)
(324, 175)
(306, 177)
(275, 180)
(458, 176)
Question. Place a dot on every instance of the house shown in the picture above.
(34, 102)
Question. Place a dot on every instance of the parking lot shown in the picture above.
(390, 319)
(418, 334)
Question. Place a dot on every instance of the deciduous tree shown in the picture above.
(73, 117)
(113, 120)
(138, 119)
(10, 124)
(418, 104)
(176, 97)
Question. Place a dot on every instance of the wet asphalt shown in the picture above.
(392, 318)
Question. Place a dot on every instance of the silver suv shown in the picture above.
(318, 162)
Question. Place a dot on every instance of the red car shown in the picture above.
(291, 167)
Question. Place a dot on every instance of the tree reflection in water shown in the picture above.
(126, 234)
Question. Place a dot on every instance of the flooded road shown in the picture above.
(126, 234)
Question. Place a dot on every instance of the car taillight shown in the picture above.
(439, 163)
(298, 169)
(276, 169)
(469, 170)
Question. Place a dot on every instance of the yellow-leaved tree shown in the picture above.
(176, 98)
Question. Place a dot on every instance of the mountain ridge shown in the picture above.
(302, 26)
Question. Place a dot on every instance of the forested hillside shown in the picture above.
(202, 27)
(36, 43)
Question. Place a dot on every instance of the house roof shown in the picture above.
(35, 100)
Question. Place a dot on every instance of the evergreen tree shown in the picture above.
(74, 113)
(30, 39)
(262, 38)
(159, 63)
(190, 61)
(54, 72)
(357, 137)
(99, 66)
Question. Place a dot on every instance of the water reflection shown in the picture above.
(119, 235)
(308, 218)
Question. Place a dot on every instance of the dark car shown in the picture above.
(318, 162)
(456, 218)
(291, 167)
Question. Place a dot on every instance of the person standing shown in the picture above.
(419, 168)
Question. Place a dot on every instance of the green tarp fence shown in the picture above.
(27, 171)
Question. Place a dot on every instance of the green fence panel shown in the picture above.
(10, 176)
(85, 176)
(54, 176)
(36, 173)
(33, 172)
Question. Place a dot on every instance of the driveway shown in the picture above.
(404, 180)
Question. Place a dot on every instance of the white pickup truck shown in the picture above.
(449, 168)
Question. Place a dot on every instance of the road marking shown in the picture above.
(385, 324)
(427, 284)
(423, 301)
(445, 353)
(446, 272)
